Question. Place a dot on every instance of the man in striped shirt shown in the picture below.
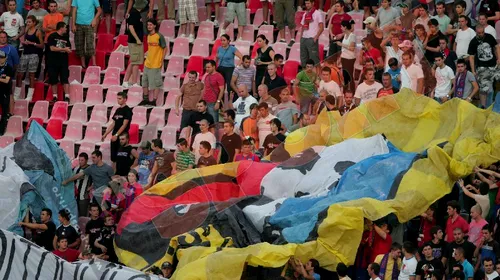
(244, 74)
(82, 185)
(185, 158)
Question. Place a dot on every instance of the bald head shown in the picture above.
(262, 90)
(242, 90)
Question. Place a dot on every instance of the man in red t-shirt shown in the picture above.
(382, 239)
(369, 53)
(71, 255)
(336, 34)
(454, 221)
(214, 90)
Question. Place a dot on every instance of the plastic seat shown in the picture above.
(294, 53)
(99, 114)
(117, 60)
(79, 113)
(60, 93)
(216, 45)
(21, 109)
(267, 30)
(94, 95)
(167, 28)
(93, 133)
(38, 120)
(73, 59)
(55, 128)
(358, 21)
(200, 48)
(75, 93)
(59, 111)
(100, 59)
(121, 40)
(195, 63)
(133, 133)
(105, 149)
(175, 66)
(170, 82)
(86, 147)
(134, 96)
(290, 70)
(39, 92)
(298, 19)
(243, 47)
(248, 33)
(174, 120)
(186, 133)
(253, 55)
(41, 110)
(92, 76)
(113, 110)
(139, 116)
(74, 131)
(259, 18)
(120, 13)
(75, 73)
(202, 14)
(112, 77)
(14, 127)
(168, 137)
(111, 95)
(68, 146)
(157, 117)
(149, 133)
(321, 50)
(171, 96)
(181, 47)
(230, 31)
(222, 14)
(206, 31)
(254, 5)
(105, 42)
(103, 30)
(280, 48)
(6, 141)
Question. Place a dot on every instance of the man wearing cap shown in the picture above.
(146, 161)
(6, 74)
(84, 20)
(167, 269)
(312, 27)
(374, 34)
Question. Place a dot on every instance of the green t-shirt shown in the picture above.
(307, 83)
(184, 159)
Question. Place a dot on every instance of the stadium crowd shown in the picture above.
(241, 99)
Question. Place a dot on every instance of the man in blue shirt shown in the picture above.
(460, 258)
(84, 20)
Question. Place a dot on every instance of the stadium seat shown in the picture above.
(59, 111)
(145, 45)
(103, 30)
(222, 14)
(170, 82)
(157, 117)
(100, 59)
(14, 127)
(195, 63)
(186, 134)
(290, 70)
(254, 5)
(149, 133)
(174, 120)
(298, 19)
(168, 137)
(105, 42)
(358, 21)
(6, 141)
(79, 113)
(73, 59)
(75, 93)
(206, 31)
(133, 133)
(92, 76)
(87, 147)
(202, 14)
(120, 13)
(60, 93)
(21, 109)
(294, 53)
(74, 131)
(267, 30)
(68, 146)
(112, 77)
(117, 60)
(39, 92)
(99, 114)
(248, 33)
(171, 96)
(180, 48)
(75, 73)
(41, 110)
(321, 50)
(324, 39)
(280, 48)
(94, 95)
(167, 28)
(259, 18)
(139, 116)
(253, 55)
(200, 48)
(243, 47)
(55, 128)
(105, 149)
(121, 40)
(93, 133)
(230, 31)
(111, 95)
(213, 54)
(134, 96)
(113, 110)
(175, 66)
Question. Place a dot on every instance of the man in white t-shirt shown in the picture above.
(368, 89)
(242, 105)
(445, 80)
(409, 266)
(13, 24)
(483, 21)
(464, 36)
(412, 76)
(326, 83)
(312, 26)
(204, 135)
(264, 121)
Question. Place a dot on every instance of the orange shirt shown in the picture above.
(249, 128)
(51, 19)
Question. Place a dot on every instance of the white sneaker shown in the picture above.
(191, 38)
(29, 96)
(216, 23)
(17, 93)
(240, 39)
(125, 85)
(183, 35)
(136, 85)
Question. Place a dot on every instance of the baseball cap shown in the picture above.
(369, 20)
(166, 265)
(406, 43)
(2, 54)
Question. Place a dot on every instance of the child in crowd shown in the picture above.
(246, 152)
(206, 158)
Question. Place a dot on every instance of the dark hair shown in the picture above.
(231, 123)
(51, 2)
(438, 55)
(387, 74)
(182, 142)
(278, 57)
(330, 99)
(203, 102)
(211, 62)
(480, 275)
(435, 230)
(453, 204)
(34, 1)
(438, 274)
(124, 134)
(246, 57)
(427, 244)
(61, 238)
(347, 23)
(488, 228)
(93, 204)
(157, 142)
(440, 3)
(488, 259)
(341, 3)
(465, 17)
(263, 37)
(226, 36)
(206, 145)
(97, 153)
(122, 94)
(375, 267)
(33, 18)
(461, 61)
(459, 266)
(395, 246)
(484, 188)
(152, 21)
(341, 269)
(192, 72)
(64, 213)
(482, 14)
(11, 1)
(433, 21)
(443, 38)
(253, 106)
(60, 25)
(326, 69)
(393, 62)
(408, 246)
(458, 274)
(277, 123)
(310, 62)
(460, 250)
(314, 263)
(424, 6)
(461, 3)
(263, 105)
(84, 155)
(231, 113)
(246, 142)
(49, 212)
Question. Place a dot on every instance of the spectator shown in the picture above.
(305, 83)
(65, 252)
(132, 187)
(427, 222)
(82, 185)
(487, 249)
(391, 46)
(266, 98)
(476, 225)
(405, 21)
(464, 37)
(331, 87)
(450, 57)
(491, 9)
(387, 87)
(386, 14)
(284, 15)
(437, 243)
(348, 54)
(454, 221)
(423, 17)
(13, 24)
(278, 62)
(368, 89)
(287, 111)
(395, 72)
(105, 242)
(184, 158)
(374, 34)
(445, 80)
(135, 35)
(188, 17)
(248, 125)
(99, 172)
(264, 121)
(246, 152)
(342, 271)
(428, 264)
(373, 271)
(58, 60)
(146, 161)
(235, 8)
(206, 158)
(320, 104)
(38, 13)
(412, 76)
(6, 76)
(126, 156)
(390, 262)
(216, 4)
(265, 56)
(382, 239)
(167, 269)
(420, 41)
(458, 274)
(230, 142)
(441, 17)
(120, 124)
(202, 114)
(312, 27)
(272, 80)
(497, 267)
(226, 54)
(348, 104)
(273, 140)
(214, 90)
(108, 7)
(480, 196)
(454, 26)
(432, 46)
(67, 230)
(50, 21)
(460, 258)
(113, 200)
(151, 77)
(242, 104)
(489, 269)
(163, 166)
(338, 15)
(303, 121)
(369, 53)
(204, 135)
(458, 242)
(483, 21)
(45, 230)
(466, 85)
(146, 9)
(32, 45)
(484, 57)
(191, 97)
(93, 227)
(64, 8)
(244, 74)
(409, 264)
(229, 115)
(84, 20)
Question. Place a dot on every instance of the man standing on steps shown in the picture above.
(235, 8)
(312, 27)
(120, 124)
(84, 20)
(284, 14)
(57, 58)
(6, 75)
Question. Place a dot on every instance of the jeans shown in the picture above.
(212, 111)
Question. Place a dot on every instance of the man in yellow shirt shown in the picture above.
(151, 77)
(386, 262)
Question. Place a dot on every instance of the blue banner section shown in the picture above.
(376, 177)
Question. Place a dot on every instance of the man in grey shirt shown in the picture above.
(465, 83)
(386, 14)
(244, 74)
(38, 12)
(99, 172)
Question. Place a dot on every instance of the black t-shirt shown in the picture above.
(135, 20)
(484, 51)
(69, 232)
(277, 83)
(93, 229)
(59, 41)
(194, 121)
(433, 43)
(425, 268)
(229, 145)
(124, 160)
(450, 59)
(489, 7)
(438, 250)
(106, 239)
(6, 88)
(468, 249)
(44, 238)
(121, 114)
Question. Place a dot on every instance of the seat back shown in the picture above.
(117, 59)
(175, 66)
(139, 115)
(168, 137)
(68, 146)
(167, 28)
(99, 114)
(21, 109)
(157, 117)
(174, 120)
(149, 133)
(41, 110)
(6, 141)
(14, 127)
(181, 47)
(134, 96)
(92, 76)
(93, 133)
(74, 131)
(60, 111)
(171, 96)
(112, 76)
(206, 30)
(75, 73)
(75, 93)
(200, 48)
(54, 128)
(170, 82)
(94, 95)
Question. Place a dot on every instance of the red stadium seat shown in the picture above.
(294, 53)
(280, 48)
(134, 134)
(74, 131)
(21, 109)
(112, 77)
(206, 31)
(195, 63)
(102, 27)
(100, 59)
(59, 111)
(134, 96)
(39, 92)
(73, 59)
(168, 137)
(157, 117)
(120, 40)
(38, 120)
(6, 141)
(87, 147)
(267, 30)
(93, 133)
(149, 133)
(117, 60)
(216, 45)
(105, 43)
(75, 73)
(139, 116)
(171, 82)
(290, 70)
(120, 13)
(55, 128)
(181, 47)
(171, 96)
(254, 5)
(92, 76)
(175, 66)
(60, 93)
(111, 95)
(174, 120)
(202, 14)
(248, 33)
(167, 28)
(200, 48)
(68, 146)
